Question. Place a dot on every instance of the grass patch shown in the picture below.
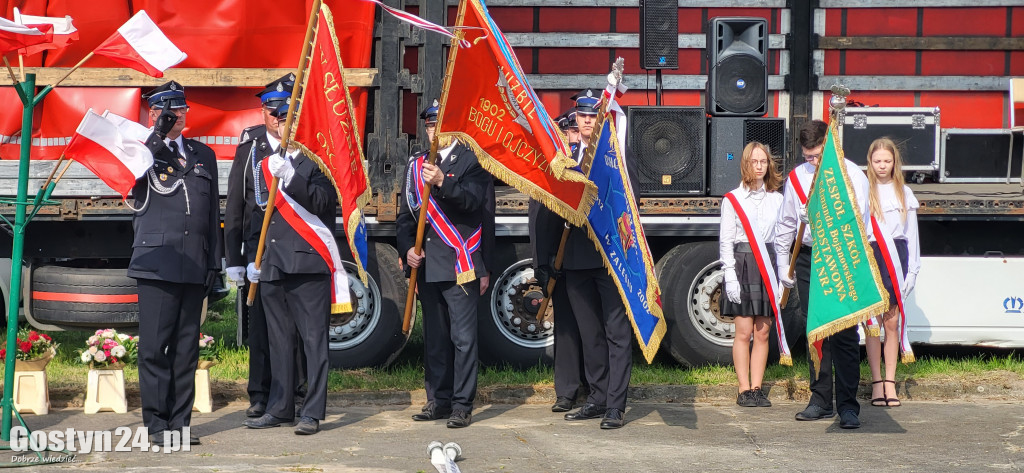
(67, 374)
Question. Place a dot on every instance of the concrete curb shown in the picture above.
(1006, 388)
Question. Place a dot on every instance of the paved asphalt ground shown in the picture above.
(955, 435)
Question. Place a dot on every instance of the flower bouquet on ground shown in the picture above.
(209, 351)
(35, 350)
(108, 349)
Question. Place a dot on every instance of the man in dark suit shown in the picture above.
(243, 213)
(295, 285)
(604, 327)
(545, 233)
(451, 276)
(175, 258)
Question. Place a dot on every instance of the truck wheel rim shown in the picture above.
(349, 330)
(704, 309)
(511, 294)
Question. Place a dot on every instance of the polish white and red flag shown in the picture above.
(64, 31)
(15, 36)
(140, 45)
(101, 146)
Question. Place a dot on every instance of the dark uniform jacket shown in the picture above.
(546, 232)
(467, 198)
(286, 251)
(241, 211)
(176, 237)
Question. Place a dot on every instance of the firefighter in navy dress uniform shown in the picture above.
(175, 258)
(242, 212)
(295, 286)
(452, 277)
(605, 330)
(545, 233)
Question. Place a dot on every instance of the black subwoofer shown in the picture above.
(726, 138)
(659, 34)
(737, 69)
(667, 147)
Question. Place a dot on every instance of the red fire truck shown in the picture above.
(705, 77)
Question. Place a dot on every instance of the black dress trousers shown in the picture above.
(450, 325)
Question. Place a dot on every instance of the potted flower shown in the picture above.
(107, 349)
(34, 350)
(106, 352)
(209, 351)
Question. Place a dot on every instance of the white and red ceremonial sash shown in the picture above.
(891, 258)
(764, 265)
(465, 271)
(320, 238)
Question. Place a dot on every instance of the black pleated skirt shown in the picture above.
(754, 298)
(904, 254)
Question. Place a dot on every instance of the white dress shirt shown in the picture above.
(789, 216)
(891, 221)
(762, 209)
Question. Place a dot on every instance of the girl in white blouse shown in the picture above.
(894, 207)
(745, 296)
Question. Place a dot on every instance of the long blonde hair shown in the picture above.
(897, 178)
(772, 177)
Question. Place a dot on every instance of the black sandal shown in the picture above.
(879, 401)
(890, 400)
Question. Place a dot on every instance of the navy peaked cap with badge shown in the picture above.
(429, 114)
(277, 92)
(282, 110)
(586, 101)
(570, 118)
(562, 121)
(171, 92)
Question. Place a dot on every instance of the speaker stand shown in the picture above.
(657, 82)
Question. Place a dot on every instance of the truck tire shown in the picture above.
(509, 333)
(82, 297)
(691, 276)
(371, 335)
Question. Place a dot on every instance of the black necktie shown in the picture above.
(174, 149)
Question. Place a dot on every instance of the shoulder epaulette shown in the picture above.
(252, 133)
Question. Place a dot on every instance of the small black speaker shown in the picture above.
(726, 138)
(659, 34)
(737, 70)
(667, 147)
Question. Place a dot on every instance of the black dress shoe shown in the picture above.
(612, 419)
(307, 426)
(815, 412)
(193, 439)
(257, 409)
(588, 411)
(562, 404)
(157, 439)
(459, 419)
(849, 420)
(432, 411)
(265, 422)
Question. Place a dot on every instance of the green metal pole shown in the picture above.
(29, 100)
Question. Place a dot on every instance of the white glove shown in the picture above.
(236, 274)
(803, 214)
(784, 277)
(908, 285)
(252, 273)
(280, 168)
(732, 287)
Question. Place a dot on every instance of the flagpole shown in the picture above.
(410, 297)
(21, 65)
(303, 60)
(543, 313)
(11, 71)
(73, 69)
(53, 172)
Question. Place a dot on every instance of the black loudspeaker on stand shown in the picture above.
(659, 34)
(726, 138)
(667, 146)
(737, 70)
